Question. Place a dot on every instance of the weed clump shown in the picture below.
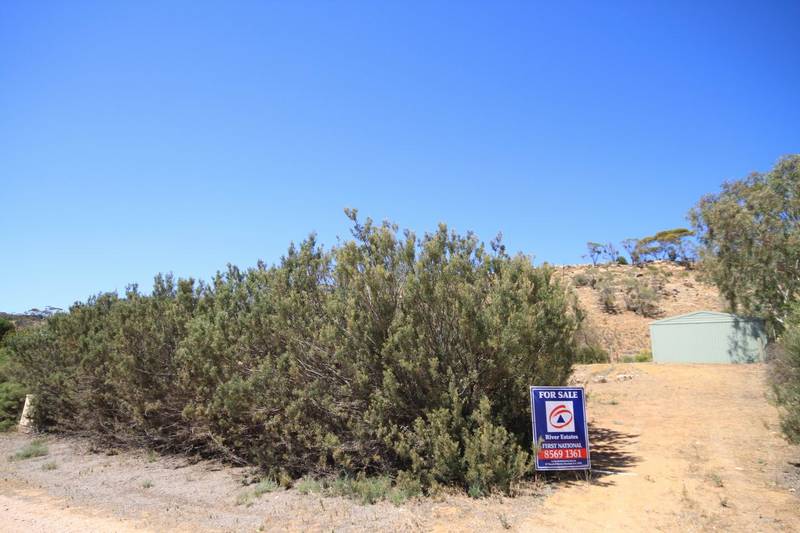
(264, 486)
(36, 448)
(308, 485)
(363, 489)
(645, 356)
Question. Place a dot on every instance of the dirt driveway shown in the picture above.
(675, 448)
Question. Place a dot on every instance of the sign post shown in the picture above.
(560, 433)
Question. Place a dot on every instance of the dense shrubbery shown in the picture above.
(386, 354)
(785, 377)
(12, 395)
(750, 237)
(6, 327)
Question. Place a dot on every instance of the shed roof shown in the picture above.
(699, 317)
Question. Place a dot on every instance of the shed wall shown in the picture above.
(737, 341)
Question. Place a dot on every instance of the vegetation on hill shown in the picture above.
(750, 236)
(387, 354)
(615, 290)
(618, 302)
(28, 319)
(676, 245)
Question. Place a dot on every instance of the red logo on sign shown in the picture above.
(560, 416)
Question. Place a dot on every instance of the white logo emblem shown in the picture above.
(560, 418)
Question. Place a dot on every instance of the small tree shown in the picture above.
(610, 252)
(750, 238)
(47, 312)
(632, 247)
(675, 244)
(649, 249)
(594, 251)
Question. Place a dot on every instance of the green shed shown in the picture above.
(708, 337)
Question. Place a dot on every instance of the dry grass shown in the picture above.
(35, 448)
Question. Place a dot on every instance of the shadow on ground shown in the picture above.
(609, 454)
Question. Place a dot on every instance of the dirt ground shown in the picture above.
(674, 448)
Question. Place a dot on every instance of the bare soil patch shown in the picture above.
(134, 491)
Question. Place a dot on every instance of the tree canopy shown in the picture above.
(750, 237)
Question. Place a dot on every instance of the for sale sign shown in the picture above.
(560, 435)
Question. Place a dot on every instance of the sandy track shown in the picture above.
(25, 510)
(675, 448)
(692, 447)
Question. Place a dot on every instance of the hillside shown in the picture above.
(608, 293)
(22, 321)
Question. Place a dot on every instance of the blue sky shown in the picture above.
(175, 136)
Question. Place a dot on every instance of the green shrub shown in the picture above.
(259, 489)
(12, 399)
(264, 486)
(582, 280)
(641, 299)
(386, 354)
(6, 327)
(405, 488)
(645, 356)
(784, 374)
(12, 394)
(367, 490)
(608, 298)
(492, 457)
(621, 260)
(591, 354)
